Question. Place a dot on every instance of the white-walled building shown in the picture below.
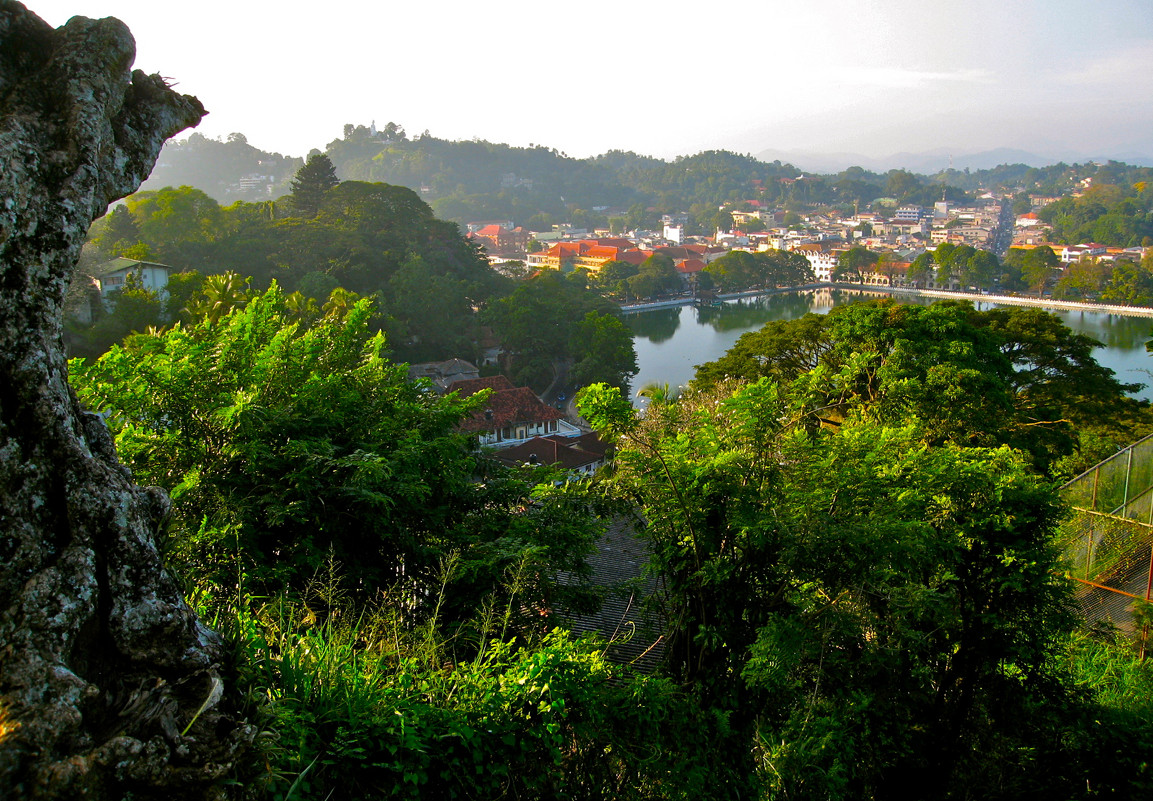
(114, 275)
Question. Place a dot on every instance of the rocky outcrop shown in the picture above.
(103, 666)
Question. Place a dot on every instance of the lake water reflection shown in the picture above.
(671, 342)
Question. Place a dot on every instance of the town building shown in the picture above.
(116, 274)
(511, 415)
(582, 455)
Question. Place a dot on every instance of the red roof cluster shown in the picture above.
(634, 257)
(690, 266)
(568, 452)
(506, 406)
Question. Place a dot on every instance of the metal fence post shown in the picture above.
(1128, 474)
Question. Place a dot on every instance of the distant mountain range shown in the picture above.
(933, 161)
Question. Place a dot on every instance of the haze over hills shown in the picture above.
(933, 161)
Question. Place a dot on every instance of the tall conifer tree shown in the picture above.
(312, 180)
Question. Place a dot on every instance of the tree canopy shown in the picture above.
(285, 445)
(310, 184)
(1012, 376)
(549, 323)
(853, 581)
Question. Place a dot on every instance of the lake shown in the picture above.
(671, 342)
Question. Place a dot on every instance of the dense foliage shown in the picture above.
(285, 446)
(1119, 216)
(364, 710)
(539, 186)
(967, 266)
(371, 239)
(216, 166)
(867, 601)
(553, 329)
(1014, 376)
(856, 571)
(740, 269)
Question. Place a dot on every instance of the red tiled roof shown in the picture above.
(602, 251)
(623, 244)
(634, 256)
(565, 249)
(590, 442)
(509, 407)
(690, 266)
(549, 451)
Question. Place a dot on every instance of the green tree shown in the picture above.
(1038, 267)
(536, 325)
(982, 269)
(901, 183)
(854, 263)
(613, 272)
(721, 220)
(602, 351)
(119, 234)
(656, 275)
(283, 447)
(786, 268)
(435, 310)
(1034, 267)
(1130, 284)
(310, 184)
(1082, 280)
(847, 581)
(178, 225)
(1015, 376)
(922, 269)
(218, 296)
(735, 270)
(1056, 379)
(182, 289)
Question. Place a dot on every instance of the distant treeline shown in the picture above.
(538, 186)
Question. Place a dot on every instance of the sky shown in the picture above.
(874, 77)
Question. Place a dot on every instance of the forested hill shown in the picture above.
(218, 167)
(469, 180)
(539, 186)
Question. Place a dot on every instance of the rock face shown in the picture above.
(103, 667)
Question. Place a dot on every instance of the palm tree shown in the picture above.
(340, 302)
(301, 309)
(220, 295)
(657, 394)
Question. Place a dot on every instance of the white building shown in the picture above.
(114, 275)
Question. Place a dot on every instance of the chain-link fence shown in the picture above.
(1107, 541)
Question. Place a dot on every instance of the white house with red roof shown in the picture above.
(582, 455)
(511, 414)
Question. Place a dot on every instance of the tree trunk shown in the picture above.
(103, 666)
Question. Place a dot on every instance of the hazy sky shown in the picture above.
(869, 76)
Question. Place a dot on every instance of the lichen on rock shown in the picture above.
(102, 664)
